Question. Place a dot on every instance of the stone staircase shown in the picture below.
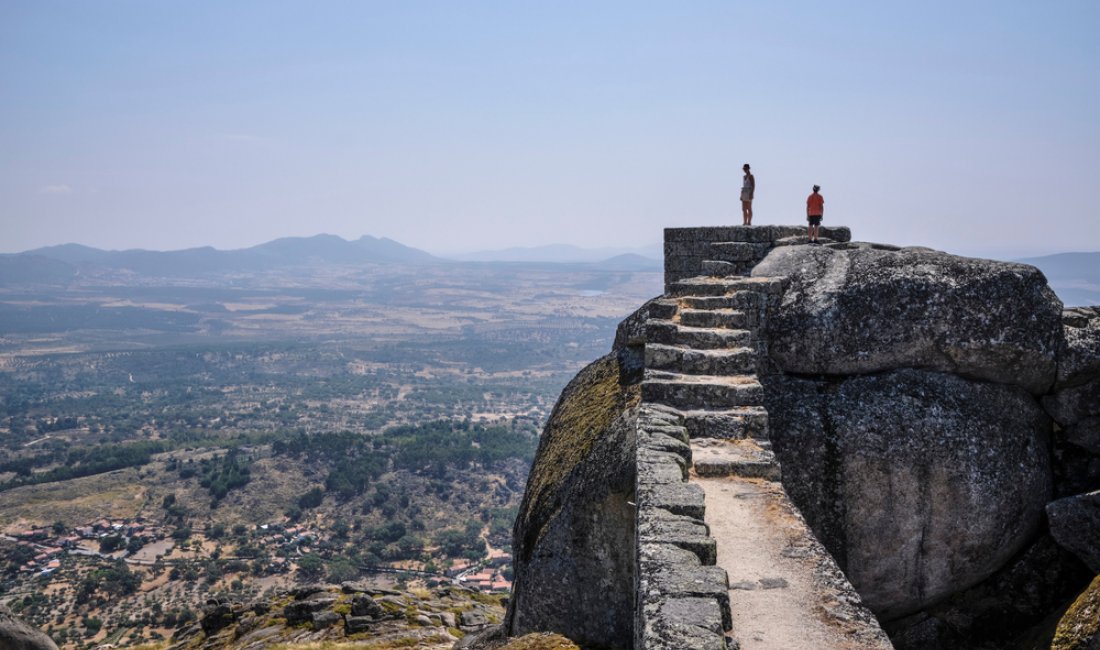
(703, 356)
(701, 359)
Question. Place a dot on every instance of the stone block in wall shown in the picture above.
(683, 624)
(710, 267)
(689, 582)
(658, 555)
(731, 251)
(680, 499)
(667, 442)
(660, 468)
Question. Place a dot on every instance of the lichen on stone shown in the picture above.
(586, 408)
(540, 641)
(1079, 628)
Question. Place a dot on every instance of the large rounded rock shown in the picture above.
(1079, 356)
(921, 484)
(859, 309)
(1075, 525)
(15, 634)
(1072, 405)
(574, 535)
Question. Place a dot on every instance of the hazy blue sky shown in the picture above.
(966, 126)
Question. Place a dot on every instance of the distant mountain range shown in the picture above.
(563, 253)
(1075, 277)
(53, 264)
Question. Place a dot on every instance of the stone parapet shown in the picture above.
(731, 250)
(682, 597)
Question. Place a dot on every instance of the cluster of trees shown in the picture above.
(83, 461)
(114, 580)
(466, 542)
(357, 461)
(432, 447)
(229, 472)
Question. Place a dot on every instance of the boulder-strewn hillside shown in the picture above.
(354, 612)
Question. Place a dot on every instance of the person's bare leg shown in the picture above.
(746, 213)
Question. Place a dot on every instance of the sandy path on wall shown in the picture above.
(765, 548)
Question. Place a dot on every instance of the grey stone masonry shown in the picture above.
(701, 356)
(703, 439)
(683, 598)
(730, 250)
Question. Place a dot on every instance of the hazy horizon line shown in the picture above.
(995, 252)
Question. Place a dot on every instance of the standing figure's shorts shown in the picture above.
(814, 220)
(746, 194)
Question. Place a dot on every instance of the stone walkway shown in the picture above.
(702, 356)
(785, 589)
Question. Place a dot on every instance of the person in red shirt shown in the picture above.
(815, 209)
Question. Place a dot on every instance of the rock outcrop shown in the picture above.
(1075, 524)
(915, 401)
(860, 308)
(574, 535)
(936, 420)
(921, 483)
(325, 615)
(1079, 628)
(15, 634)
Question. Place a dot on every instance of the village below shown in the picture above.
(172, 440)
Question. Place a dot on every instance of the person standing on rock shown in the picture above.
(815, 209)
(748, 188)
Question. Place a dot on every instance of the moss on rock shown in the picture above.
(540, 641)
(585, 410)
(575, 531)
(1079, 628)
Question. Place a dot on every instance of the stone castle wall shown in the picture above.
(728, 250)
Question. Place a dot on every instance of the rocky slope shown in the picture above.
(938, 423)
(15, 634)
(352, 613)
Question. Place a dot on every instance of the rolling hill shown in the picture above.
(1075, 277)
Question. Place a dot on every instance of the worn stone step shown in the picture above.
(745, 422)
(663, 308)
(676, 358)
(725, 269)
(661, 526)
(701, 391)
(704, 286)
(717, 318)
(667, 332)
(678, 498)
(736, 251)
(707, 286)
(742, 300)
(745, 458)
(802, 240)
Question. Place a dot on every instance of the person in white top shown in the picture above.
(748, 188)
